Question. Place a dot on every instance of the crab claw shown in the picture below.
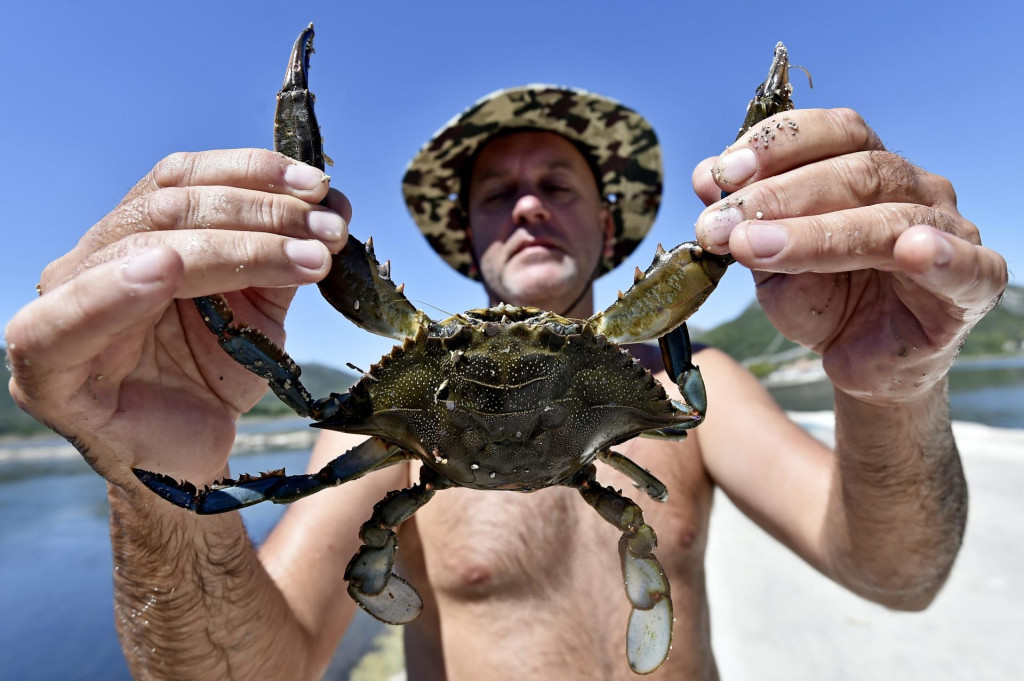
(296, 131)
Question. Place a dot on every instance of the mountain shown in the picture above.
(747, 336)
(751, 335)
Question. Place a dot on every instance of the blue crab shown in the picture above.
(505, 398)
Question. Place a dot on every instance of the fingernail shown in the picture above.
(303, 177)
(325, 225)
(306, 253)
(766, 240)
(736, 167)
(144, 268)
(718, 224)
(943, 251)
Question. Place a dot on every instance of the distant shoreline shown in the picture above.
(267, 437)
(46, 448)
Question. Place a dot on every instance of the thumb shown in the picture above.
(54, 342)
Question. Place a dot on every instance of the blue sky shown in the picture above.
(96, 93)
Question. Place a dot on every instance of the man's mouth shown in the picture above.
(535, 245)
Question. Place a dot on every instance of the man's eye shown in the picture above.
(558, 189)
(496, 196)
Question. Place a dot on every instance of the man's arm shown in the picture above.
(864, 258)
(882, 515)
(114, 356)
(193, 599)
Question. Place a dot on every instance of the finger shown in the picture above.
(789, 140)
(259, 169)
(340, 204)
(52, 343)
(220, 208)
(704, 184)
(217, 261)
(969, 278)
(840, 183)
(840, 241)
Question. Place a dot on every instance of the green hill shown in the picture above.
(1002, 329)
(1001, 332)
(749, 335)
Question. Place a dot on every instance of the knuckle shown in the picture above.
(859, 174)
(258, 162)
(852, 126)
(969, 232)
(939, 219)
(771, 199)
(897, 176)
(174, 170)
(52, 275)
(163, 208)
(272, 211)
(940, 189)
(129, 245)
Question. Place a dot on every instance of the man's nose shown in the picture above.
(529, 209)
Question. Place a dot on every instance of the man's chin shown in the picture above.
(536, 286)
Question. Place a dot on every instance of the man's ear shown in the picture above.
(608, 227)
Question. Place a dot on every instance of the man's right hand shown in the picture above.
(114, 356)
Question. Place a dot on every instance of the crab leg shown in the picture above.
(642, 477)
(372, 584)
(296, 135)
(357, 286)
(257, 353)
(355, 274)
(229, 495)
(649, 632)
(663, 297)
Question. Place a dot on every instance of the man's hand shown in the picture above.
(113, 354)
(856, 253)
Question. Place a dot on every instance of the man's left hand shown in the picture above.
(856, 253)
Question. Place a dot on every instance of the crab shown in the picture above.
(506, 398)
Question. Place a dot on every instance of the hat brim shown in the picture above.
(623, 150)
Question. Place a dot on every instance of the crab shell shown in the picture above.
(507, 398)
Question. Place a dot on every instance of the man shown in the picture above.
(873, 268)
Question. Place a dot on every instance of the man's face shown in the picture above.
(537, 222)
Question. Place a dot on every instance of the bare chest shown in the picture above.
(477, 544)
(541, 571)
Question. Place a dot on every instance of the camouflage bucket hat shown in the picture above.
(621, 145)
